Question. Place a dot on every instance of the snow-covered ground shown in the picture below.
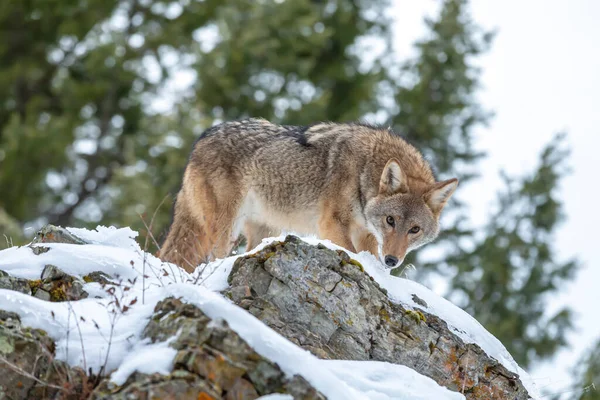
(84, 329)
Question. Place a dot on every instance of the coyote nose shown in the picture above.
(391, 261)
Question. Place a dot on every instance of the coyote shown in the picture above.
(361, 187)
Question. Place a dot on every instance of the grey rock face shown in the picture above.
(323, 301)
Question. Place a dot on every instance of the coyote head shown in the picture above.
(402, 220)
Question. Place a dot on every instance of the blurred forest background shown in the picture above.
(102, 100)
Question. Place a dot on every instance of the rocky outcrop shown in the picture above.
(318, 298)
(323, 301)
(212, 362)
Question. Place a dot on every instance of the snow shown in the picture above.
(94, 333)
(379, 379)
(276, 396)
(148, 359)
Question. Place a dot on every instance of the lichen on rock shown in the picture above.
(55, 285)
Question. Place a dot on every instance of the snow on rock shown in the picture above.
(276, 396)
(145, 358)
(385, 379)
(95, 332)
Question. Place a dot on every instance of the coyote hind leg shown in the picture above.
(187, 240)
(203, 222)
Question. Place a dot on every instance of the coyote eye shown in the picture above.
(390, 221)
(414, 229)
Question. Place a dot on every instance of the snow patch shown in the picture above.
(383, 380)
(276, 396)
(146, 358)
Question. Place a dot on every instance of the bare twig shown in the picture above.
(68, 332)
(9, 241)
(112, 329)
(80, 335)
(151, 235)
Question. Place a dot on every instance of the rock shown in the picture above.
(12, 283)
(318, 298)
(56, 234)
(42, 295)
(29, 370)
(99, 277)
(52, 273)
(37, 250)
(240, 390)
(9, 319)
(323, 301)
(212, 362)
(61, 286)
(56, 285)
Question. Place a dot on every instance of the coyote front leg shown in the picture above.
(333, 227)
(365, 241)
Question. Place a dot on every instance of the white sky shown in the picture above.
(541, 76)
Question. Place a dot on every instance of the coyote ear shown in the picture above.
(393, 179)
(439, 194)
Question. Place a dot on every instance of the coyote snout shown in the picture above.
(402, 219)
(362, 187)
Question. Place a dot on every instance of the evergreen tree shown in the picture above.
(76, 79)
(506, 274)
(435, 103)
(587, 376)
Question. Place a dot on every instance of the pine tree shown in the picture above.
(506, 274)
(76, 78)
(586, 376)
(435, 94)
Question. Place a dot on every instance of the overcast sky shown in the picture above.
(541, 76)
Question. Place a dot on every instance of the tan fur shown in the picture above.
(339, 181)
